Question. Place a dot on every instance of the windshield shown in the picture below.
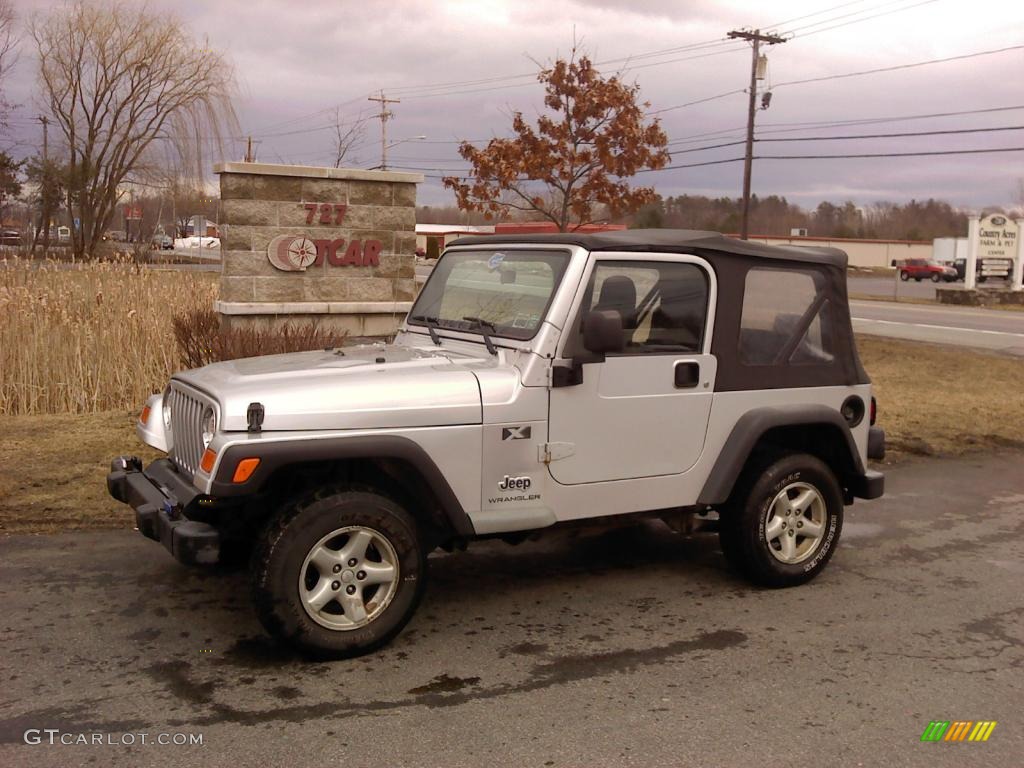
(506, 291)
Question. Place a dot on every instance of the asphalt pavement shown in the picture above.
(893, 288)
(993, 330)
(636, 647)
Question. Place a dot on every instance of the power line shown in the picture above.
(795, 30)
(864, 18)
(901, 66)
(892, 154)
(816, 13)
(838, 157)
(816, 125)
(889, 135)
(693, 165)
(291, 120)
(699, 101)
(717, 42)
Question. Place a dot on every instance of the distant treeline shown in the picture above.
(774, 215)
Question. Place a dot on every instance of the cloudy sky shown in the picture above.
(462, 67)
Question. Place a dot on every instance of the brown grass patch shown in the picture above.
(938, 400)
(53, 471)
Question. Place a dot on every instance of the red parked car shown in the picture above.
(921, 269)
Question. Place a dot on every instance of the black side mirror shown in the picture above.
(602, 332)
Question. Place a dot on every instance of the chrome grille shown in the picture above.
(186, 428)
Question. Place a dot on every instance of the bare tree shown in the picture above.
(8, 51)
(347, 133)
(117, 77)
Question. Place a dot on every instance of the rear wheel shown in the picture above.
(904, 276)
(783, 522)
(339, 574)
(936, 277)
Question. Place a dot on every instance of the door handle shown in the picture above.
(687, 374)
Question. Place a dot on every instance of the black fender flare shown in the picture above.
(277, 454)
(752, 426)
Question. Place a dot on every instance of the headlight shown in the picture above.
(209, 424)
(167, 410)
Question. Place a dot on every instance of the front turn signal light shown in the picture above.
(244, 470)
(144, 416)
(209, 457)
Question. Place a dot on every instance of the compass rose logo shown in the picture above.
(290, 253)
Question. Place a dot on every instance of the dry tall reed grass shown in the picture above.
(82, 338)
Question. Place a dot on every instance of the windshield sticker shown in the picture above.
(495, 261)
(521, 321)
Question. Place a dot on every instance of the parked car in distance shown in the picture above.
(163, 242)
(10, 237)
(920, 269)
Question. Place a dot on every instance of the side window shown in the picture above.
(786, 319)
(663, 304)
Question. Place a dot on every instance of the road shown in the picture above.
(636, 647)
(888, 287)
(987, 329)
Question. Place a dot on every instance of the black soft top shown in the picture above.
(668, 241)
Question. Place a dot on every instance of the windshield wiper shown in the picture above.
(431, 323)
(482, 325)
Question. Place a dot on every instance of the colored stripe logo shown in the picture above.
(958, 730)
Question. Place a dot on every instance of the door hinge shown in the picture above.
(549, 452)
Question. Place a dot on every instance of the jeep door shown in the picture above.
(644, 411)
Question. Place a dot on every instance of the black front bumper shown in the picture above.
(160, 495)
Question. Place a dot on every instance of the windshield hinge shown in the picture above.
(548, 452)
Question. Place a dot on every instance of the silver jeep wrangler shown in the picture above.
(538, 381)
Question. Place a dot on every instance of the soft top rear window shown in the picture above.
(786, 319)
(507, 290)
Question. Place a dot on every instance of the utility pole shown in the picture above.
(755, 38)
(385, 115)
(248, 151)
(45, 180)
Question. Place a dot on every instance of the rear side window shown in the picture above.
(786, 319)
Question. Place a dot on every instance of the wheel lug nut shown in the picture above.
(799, 525)
(351, 589)
(336, 568)
(791, 532)
(352, 561)
(361, 575)
(336, 586)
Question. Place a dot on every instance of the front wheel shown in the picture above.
(936, 277)
(904, 276)
(782, 524)
(339, 574)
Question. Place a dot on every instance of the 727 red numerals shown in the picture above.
(326, 209)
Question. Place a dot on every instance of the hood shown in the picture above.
(365, 387)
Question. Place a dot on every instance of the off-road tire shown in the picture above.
(279, 557)
(744, 517)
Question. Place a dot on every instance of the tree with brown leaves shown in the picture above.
(578, 157)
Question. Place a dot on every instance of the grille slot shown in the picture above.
(186, 429)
